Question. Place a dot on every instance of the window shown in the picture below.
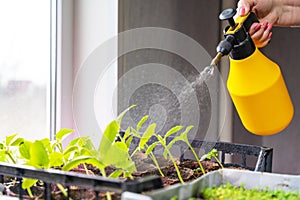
(25, 59)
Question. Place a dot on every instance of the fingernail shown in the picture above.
(270, 27)
(270, 35)
(242, 11)
(257, 27)
(265, 25)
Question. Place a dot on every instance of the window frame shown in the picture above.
(81, 26)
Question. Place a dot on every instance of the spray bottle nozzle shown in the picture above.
(215, 61)
(237, 42)
(226, 45)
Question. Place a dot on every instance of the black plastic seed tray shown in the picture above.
(263, 163)
(262, 156)
(95, 183)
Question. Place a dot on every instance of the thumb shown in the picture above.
(243, 7)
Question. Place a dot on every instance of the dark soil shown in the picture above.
(189, 170)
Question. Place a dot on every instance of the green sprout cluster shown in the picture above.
(230, 192)
(114, 150)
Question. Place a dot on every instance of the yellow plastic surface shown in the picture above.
(259, 94)
(239, 21)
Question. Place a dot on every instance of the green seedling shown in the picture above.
(212, 154)
(46, 154)
(114, 152)
(79, 151)
(150, 131)
(184, 137)
(167, 153)
(143, 146)
(110, 151)
(228, 191)
(8, 148)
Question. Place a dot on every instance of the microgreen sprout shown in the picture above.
(228, 191)
(184, 137)
(212, 154)
(167, 148)
(149, 132)
(8, 147)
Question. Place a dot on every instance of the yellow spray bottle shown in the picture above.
(255, 83)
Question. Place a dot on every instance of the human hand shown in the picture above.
(276, 12)
(260, 32)
(265, 10)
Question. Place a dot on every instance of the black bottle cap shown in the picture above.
(228, 14)
(243, 50)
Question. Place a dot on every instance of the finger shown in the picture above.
(264, 37)
(263, 40)
(243, 8)
(264, 43)
(257, 34)
(254, 28)
(270, 26)
(267, 29)
(256, 38)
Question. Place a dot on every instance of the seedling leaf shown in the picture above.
(184, 134)
(69, 150)
(127, 133)
(141, 122)
(129, 140)
(151, 147)
(9, 139)
(56, 159)
(135, 133)
(116, 154)
(108, 138)
(172, 142)
(116, 174)
(17, 142)
(173, 130)
(28, 183)
(63, 133)
(38, 154)
(95, 162)
(147, 135)
(47, 143)
(24, 149)
(74, 141)
(120, 117)
(2, 156)
(160, 139)
(75, 162)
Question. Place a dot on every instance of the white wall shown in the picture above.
(84, 26)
